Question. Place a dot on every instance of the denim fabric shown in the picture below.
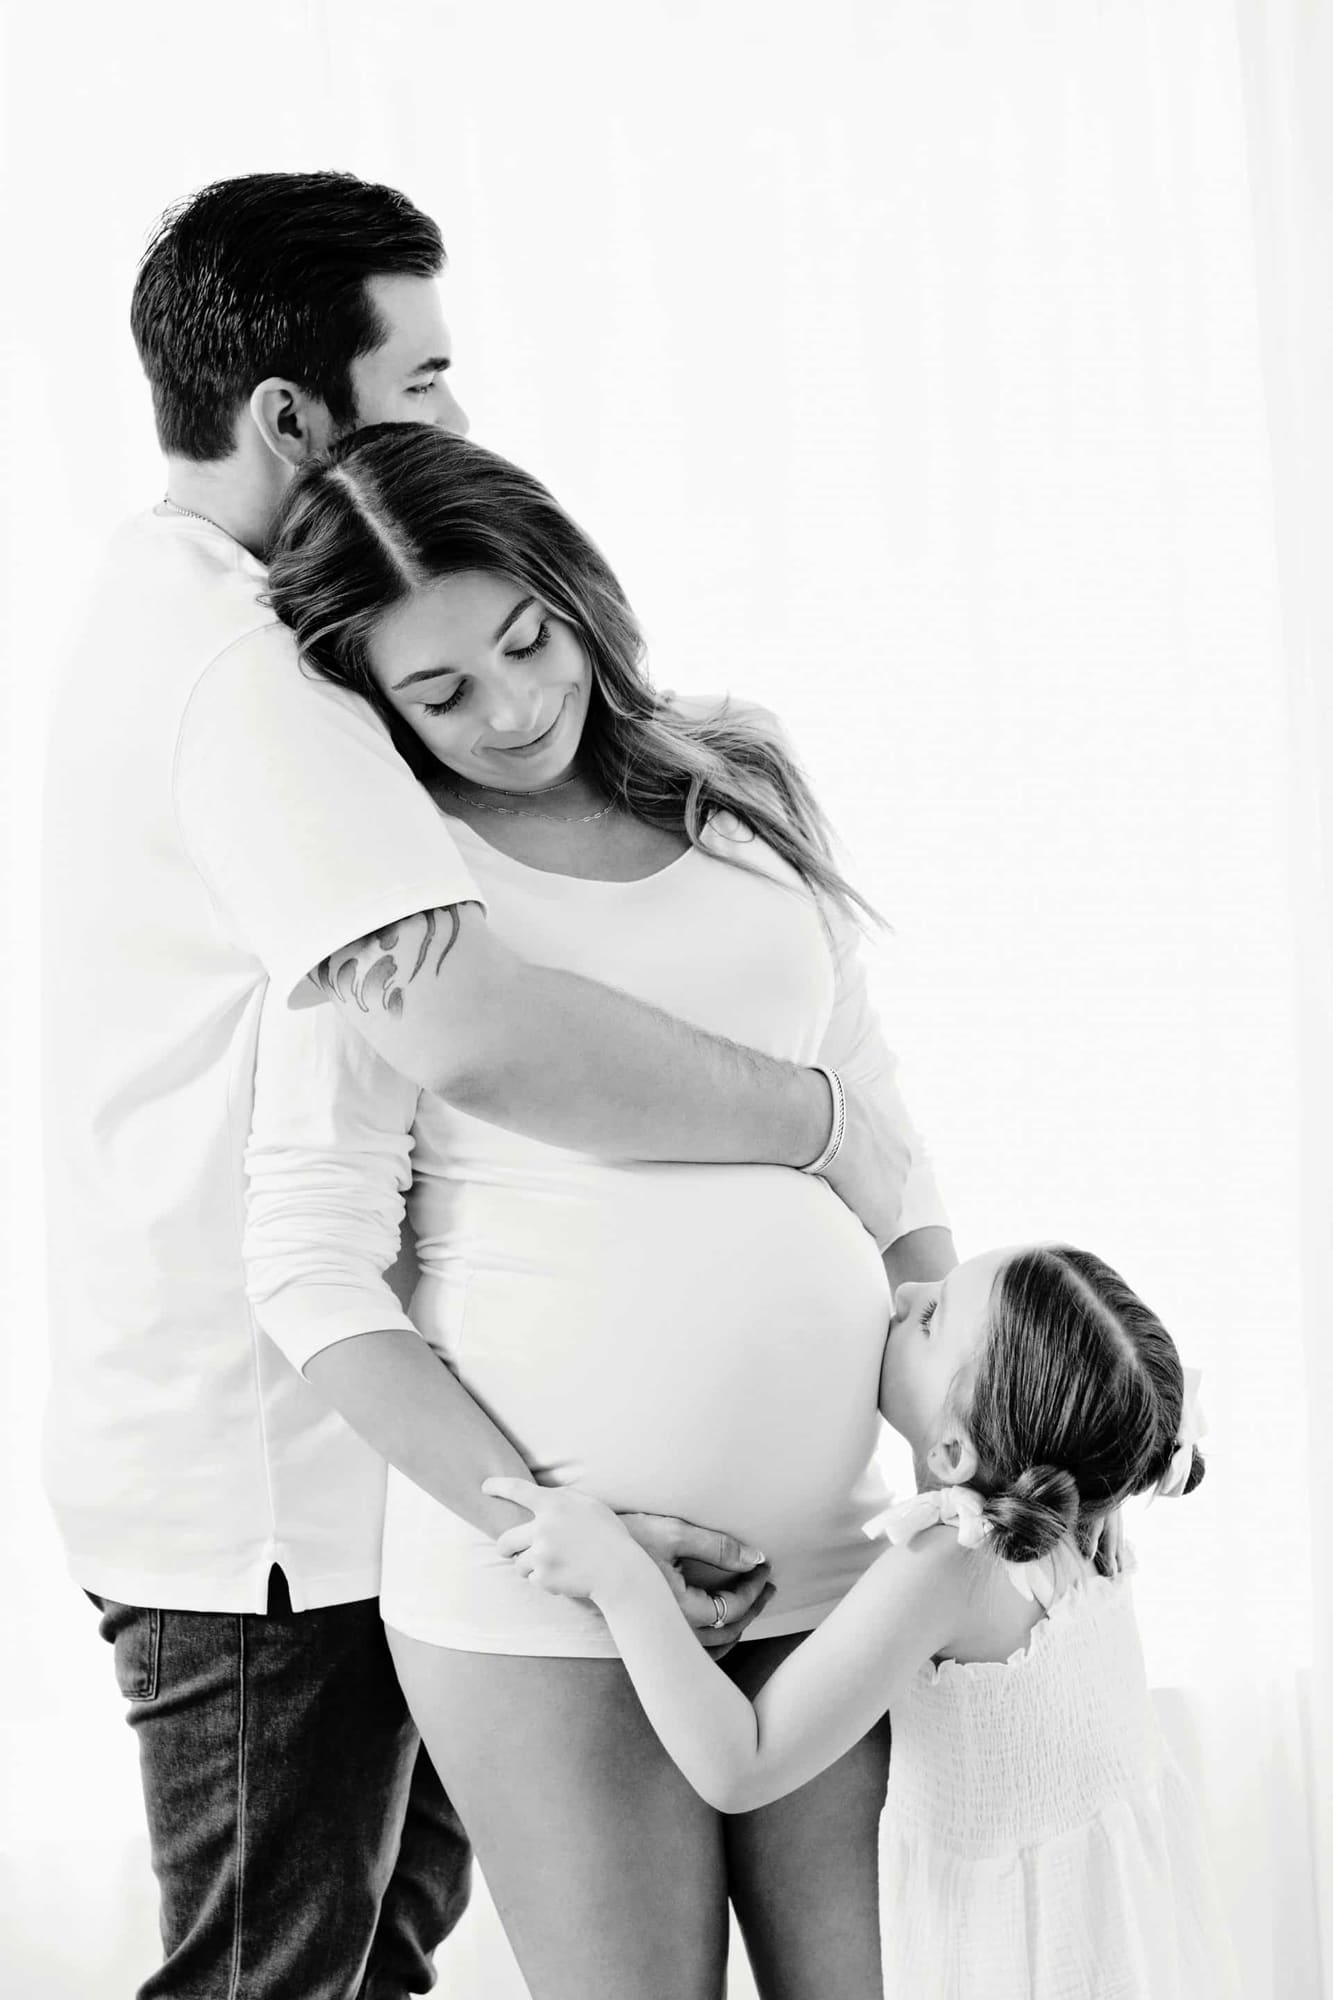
(303, 1845)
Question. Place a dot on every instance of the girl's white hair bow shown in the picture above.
(955, 1505)
(1193, 1426)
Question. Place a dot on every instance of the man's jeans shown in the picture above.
(303, 1844)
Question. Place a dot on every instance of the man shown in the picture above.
(219, 822)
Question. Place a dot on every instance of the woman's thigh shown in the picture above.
(606, 1868)
(803, 1872)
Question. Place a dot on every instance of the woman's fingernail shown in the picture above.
(752, 1557)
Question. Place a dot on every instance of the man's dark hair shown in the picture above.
(266, 275)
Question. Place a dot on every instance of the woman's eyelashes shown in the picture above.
(541, 639)
(927, 1315)
(526, 652)
(443, 707)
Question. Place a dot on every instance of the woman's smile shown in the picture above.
(535, 744)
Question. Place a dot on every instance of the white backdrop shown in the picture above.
(907, 362)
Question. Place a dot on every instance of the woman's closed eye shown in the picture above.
(927, 1315)
(443, 707)
(541, 639)
(526, 652)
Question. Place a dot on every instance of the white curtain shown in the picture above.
(951, 375)
(1287, 65)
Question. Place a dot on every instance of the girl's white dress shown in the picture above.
(1037, 1841)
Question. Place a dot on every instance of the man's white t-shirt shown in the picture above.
(218, 820)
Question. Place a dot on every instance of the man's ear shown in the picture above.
(953, 1458)
(293, 424)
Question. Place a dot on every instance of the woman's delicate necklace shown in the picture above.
(517, 812)
(537, 792)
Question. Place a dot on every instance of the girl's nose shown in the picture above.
(904, 1298)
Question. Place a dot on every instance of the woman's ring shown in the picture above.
(720, 1606)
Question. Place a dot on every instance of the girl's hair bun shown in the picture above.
(1196, 1471)
(1034, 1515)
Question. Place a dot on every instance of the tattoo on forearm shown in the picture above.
(368, 972)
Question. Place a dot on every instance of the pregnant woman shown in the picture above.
(696, 1341)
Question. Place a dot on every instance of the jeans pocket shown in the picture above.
(135, 1635)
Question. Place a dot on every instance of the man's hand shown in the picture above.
(871, 1167)
(708, 1573)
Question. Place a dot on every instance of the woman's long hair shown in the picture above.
(397, 506)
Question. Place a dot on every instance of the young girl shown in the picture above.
(1036, 1843)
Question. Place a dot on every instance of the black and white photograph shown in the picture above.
(668, 790)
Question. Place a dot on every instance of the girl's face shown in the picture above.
(494, 684)
(937, 1331)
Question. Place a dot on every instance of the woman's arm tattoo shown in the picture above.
(376, 969)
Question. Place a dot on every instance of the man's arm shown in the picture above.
(559, 1057)
(577, 1064)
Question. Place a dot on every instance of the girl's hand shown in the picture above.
(573, 1546)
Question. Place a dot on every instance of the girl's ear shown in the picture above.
(953, 1458)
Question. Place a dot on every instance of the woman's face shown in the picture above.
(937, 1330)
(494, 684)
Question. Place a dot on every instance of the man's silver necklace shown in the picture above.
(195, 515)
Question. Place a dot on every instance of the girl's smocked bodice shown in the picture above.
(989, 1756)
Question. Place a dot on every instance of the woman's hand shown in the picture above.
(574, 1546)
(720, 1585)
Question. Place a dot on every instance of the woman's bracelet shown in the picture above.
(839, 1125)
